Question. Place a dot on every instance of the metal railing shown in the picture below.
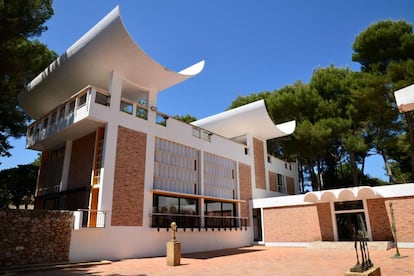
(163, 220)
(86, 218)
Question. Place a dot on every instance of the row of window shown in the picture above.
(186, 213)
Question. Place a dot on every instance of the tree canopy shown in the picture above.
(344, 116)
(22, 58)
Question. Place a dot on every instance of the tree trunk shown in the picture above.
(387, 166)
(353, 169)
(314, 178)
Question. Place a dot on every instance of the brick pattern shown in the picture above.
(81, 162)
(325, 221)
(380, 225)
(129, 179)
(245, 189)
(291, 224)
(404, 217)
(259, 164)
(290, 185)
(273, 181)
(30, 237)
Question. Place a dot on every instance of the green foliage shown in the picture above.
(185, 118)
(344, 116)
(17, 185)
(22, 58)
(382, 43)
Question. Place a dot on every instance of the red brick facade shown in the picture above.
(404, 217)
(81, 162)
(325, 221)
(259, 165)
(378, 216)
(291, 224)
(245, 188)
(290, 185)
(129, 179)
(273, 181)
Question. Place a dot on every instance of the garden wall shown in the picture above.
(30, 237)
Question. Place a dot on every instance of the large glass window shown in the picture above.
(220, 214)
(184, 211)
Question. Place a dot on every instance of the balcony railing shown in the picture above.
(163, 220)
(86, 218)
(72, 110)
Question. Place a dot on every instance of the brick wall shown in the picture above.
(291, 224)
(245, 189)
(290, 185)
(380, 224)
(404, 217)
(273, 181)
(325, 221)
(30, 237)
(259, 165)
(129, 179)
(81, 162)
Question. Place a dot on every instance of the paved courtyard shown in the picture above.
(255, 260)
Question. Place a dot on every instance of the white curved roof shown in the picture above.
(405, 98)
(105, 48)
(250, 118)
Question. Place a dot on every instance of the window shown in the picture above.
(101, 99)
(166, 209)
(220, 214)
(82, 100)
(141, 112)
(281, 187)
(126, 107)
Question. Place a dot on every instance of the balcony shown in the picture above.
(63, 116)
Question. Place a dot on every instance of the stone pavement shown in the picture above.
(254, 260)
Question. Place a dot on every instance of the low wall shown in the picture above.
(34, 237)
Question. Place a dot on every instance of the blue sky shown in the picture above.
(249, 46)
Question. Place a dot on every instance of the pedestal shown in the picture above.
(173, 253)
(373, 271)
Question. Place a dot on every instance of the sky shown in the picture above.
(249, 46)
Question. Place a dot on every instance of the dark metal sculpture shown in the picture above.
(361, 237)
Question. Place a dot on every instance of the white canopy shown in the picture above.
(107, 47)
(250, 118)
(405, 98)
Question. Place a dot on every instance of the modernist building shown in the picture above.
(129, 170)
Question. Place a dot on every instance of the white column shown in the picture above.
(66, 166)
(152, 106)
(115, 89)
(109, 150)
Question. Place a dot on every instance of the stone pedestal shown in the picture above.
(373, 271)
(173, 253)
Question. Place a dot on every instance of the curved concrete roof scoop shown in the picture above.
(405, 98)
(250, 118)
(104, 49)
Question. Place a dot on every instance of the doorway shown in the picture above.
(347, 222)
(257, 225)
(350, 217)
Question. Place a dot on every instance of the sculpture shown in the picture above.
(361, 238)
(173, 226)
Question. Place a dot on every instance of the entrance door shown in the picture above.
(257, 225)
(346, 222)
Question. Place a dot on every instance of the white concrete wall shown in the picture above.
(113, 243)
